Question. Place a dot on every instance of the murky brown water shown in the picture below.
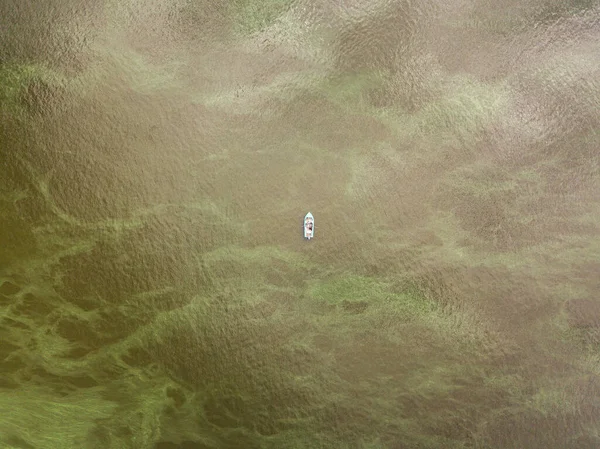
(157, 160)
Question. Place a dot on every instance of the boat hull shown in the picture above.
(309, 226)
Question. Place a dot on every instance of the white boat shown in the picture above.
(309, 226)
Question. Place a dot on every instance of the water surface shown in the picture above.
(157, 160)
